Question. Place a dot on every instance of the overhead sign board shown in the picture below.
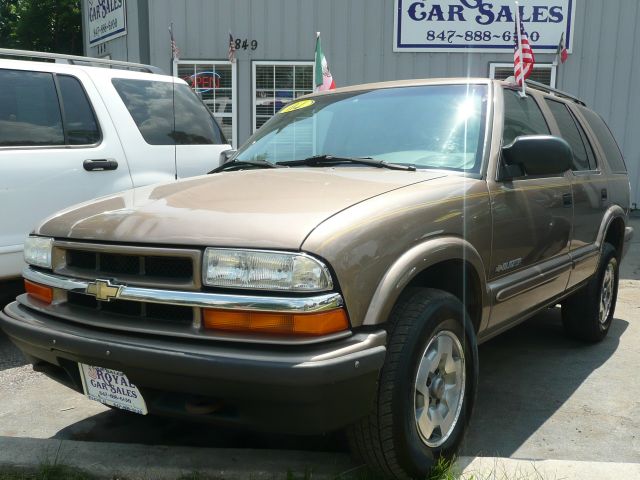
(480, 25)
(107, 19)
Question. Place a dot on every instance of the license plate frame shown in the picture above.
(111, 387)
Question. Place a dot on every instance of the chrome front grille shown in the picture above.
(134, 311)
(165, 311)
(108, 264)
(142, 266)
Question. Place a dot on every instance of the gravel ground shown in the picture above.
(10, 357)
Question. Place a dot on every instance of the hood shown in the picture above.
(275, 208)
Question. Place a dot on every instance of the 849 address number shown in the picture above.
(245, 44)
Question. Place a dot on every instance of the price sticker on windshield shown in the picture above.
(297, 106)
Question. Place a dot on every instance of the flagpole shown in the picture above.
(557, 60)
(556, 66)
(315, 64)
(518, 33)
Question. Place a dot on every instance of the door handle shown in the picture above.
(567, 199)
(604, 194)
(99, 165)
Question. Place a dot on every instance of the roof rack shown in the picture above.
(76, 59)
(553, 91)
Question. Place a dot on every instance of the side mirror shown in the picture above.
(538, 155)
(227, 155)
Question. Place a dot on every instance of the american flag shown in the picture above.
(232, 49)
(523, 61)
(175, 53)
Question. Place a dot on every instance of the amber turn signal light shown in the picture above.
(39, 292)
(299, 324)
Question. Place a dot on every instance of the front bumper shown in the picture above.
(289, 389)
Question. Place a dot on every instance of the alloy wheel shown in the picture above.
(439, 388)
(606, 293)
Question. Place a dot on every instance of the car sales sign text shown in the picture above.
(107, 20)
(480, 25)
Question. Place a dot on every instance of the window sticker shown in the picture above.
(297, 106)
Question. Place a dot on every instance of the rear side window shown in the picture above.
(606, 140)
(522, 116)
(582, 156)
(29, 109)
(80, 123)
(151, 105)
(194, 123)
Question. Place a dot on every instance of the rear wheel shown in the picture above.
(588, 313)
(426, 390)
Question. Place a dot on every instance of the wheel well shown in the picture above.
(615, 235)
(459, 278)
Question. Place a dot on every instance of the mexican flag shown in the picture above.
(561, 52)
(323, 80)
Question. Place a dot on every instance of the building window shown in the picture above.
(215, 84)
(542, 73)
(277, 83)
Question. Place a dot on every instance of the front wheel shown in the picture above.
(426, 389)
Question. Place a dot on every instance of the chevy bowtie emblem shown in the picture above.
(103, 290)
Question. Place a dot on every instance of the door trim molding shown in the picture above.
(510, 286)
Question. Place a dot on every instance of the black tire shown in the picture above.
(581, 311)
(387, 439)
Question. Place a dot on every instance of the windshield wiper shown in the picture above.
(324, 160)
(243, 165)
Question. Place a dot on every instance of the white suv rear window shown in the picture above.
(151, 104)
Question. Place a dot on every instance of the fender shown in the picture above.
(585, 258)
(613, 212)
(416, 260)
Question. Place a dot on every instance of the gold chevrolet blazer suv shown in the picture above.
(340, 269)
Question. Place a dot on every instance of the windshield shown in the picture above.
(434, 126)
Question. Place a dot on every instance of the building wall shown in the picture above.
(133, 47)
(603, 69)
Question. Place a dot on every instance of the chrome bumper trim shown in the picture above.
(317, 303)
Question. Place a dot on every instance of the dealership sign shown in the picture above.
(107, 20)
(455, 25)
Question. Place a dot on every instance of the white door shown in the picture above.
(198, 135)
(53, 153)
(198, 159)
(141, 106)
(159, 144)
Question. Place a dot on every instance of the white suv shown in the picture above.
(71, 132)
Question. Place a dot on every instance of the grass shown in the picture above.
(447, 470)
(443, 470)
(46, 472)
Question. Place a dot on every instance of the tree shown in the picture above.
(42, 25)
(8, 19)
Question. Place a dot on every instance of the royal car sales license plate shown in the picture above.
(111, 387)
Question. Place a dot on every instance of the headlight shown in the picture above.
(264, 270)
(37, 251)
